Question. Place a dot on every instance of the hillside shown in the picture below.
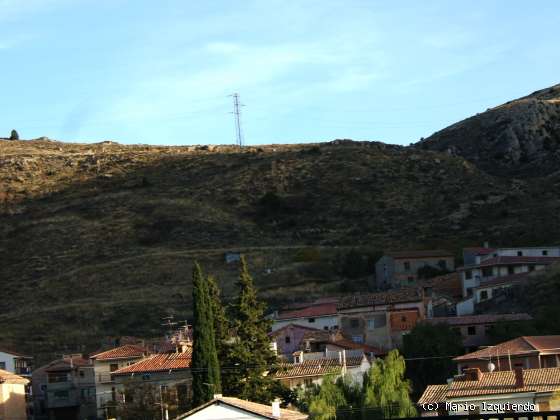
(518, 138)
(98, 240)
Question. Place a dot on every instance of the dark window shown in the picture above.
(311, 320)
(287, 339)
(519, 253)
(519, 364)
(403, 318)
(469, 291)
(471, 330)
(511, 269)
(410, 279)
(545, 252)
(483, 295)
(486, 271)
(82, 374)
(326, 328)
(468, 274)
(113, 367)
(3, 365)
(531, 268)
(354, 323)
(442, 264)
(407, 265)
(61, 394)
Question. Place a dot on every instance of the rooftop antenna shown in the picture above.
(169, 323)
(237, 113)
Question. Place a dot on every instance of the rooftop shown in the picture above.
(324, 309)
(123, 352)
(382, 298)
(67, 363)
(262, 410)
(510, 279)
(420, 254)
(159, 363)
(11, 378)
(490, 383)
(447, 284)
(13, 353)
(544, 344)
(478, 319)
(315, 367)
(512, 260)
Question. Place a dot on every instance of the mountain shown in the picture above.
(519, 138)
(98, 240)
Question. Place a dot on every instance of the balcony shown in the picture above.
(23, 371)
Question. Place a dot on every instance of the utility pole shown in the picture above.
(237, 113)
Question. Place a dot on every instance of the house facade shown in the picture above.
(530, 352)
(381, 319)
(476, 392)
(474, 328)
(65, 390)
(16, 363)
(400, 269)
(13, 401)
(104, 364)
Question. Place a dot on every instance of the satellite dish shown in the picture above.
(491, 367)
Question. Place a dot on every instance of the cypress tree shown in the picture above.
(250, 351)
(205, 367)
(14, 135)
(221, 326)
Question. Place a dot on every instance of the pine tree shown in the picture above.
(221, 327)
(205, 367)
(386, 388)
(250, 351)
(14, 135)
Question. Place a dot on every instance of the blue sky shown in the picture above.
(159, 72)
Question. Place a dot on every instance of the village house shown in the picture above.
(400, 268)
(13, 401)
(485, 263)
(381, 319)
(312, 368)
(476, 392)
(321, 316)
(474, 329)
(65, 389)
(525, 352)
(221, 408)
(107, 362)
(444, 291)
(168, 373)
(16, 363)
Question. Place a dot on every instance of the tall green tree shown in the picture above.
(323, 406)
(221, 326)
(387, 389)
(431, 349)
(250, 356)
(205, 367)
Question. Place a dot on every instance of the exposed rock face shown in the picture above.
(518, 138)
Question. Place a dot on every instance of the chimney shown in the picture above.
(276, 408)
(519, 382)
(473, 374)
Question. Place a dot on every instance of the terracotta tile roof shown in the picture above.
(478, 319)
(381, 298)
(350, 345)
(433, 394)
(419, 254)
(509, 279)
(295, 326)
(314, 367)
(518, 346)
(11, 378)
(159, 363)
(499, 382)
(447, 284)
(323, 309)
(123, 352)
(67, 364)
(262, 410)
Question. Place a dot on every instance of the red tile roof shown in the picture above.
(128, 351)
(478, 319)
(499, 382)
(324, 309)
(315, 367)
(480, 250)
(447, 284)
(382, 298)
(546, 344)
(262, 410)
(11, 378)
(419, 254)
(13, 353)
(67, 363)
(509, 279)
(296, 326)
(159, 363)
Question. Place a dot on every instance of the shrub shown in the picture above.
(14, 135)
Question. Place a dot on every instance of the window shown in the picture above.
(3, 365)
(357, 339)
(484, 295)
(326, 328)
(82, 373)
(486, 271)
(407, 265)
(471, 330)
(469, 291)
(61, 394)
(468, 274)
(410, 279)
(113, 367)
(287, 339)
(545, 252)
(354, 323)
(519, 253)
(311, 320)
(442, 264)
(371, 324)
(531, 268)
(511, 269)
